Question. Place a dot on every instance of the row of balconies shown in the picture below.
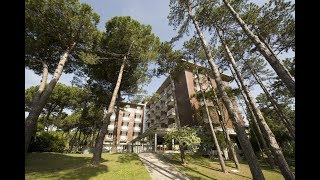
(122, 138)
(126, 119)
(161, 107)
(124, 128)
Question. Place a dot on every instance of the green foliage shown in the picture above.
(47, 142)
(207, 142)
(103, 62)
(52, 26)
(185, 135)
(62, 97)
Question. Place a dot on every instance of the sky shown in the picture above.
(149, 12)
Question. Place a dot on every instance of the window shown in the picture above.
(110, 135)
(126, 114)
(137, 116)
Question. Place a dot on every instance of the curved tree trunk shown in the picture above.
(283, 118)
(106, 118)
(242, 136)
(216, 143)
(274, 147)
(222, 124)
(42, 96)
(275, 63)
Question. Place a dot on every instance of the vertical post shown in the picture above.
(172, 145)
(155, 142)
(142, 147)
(132, 144)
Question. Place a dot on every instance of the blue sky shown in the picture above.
(151, 12)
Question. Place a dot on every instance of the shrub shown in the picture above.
(47, 142)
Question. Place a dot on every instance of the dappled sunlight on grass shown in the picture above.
(198, 167)
(77, 166)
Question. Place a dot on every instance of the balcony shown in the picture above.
(170, 101)
(125, 119)
(136, 129)
(163, 96)
(164, 120)
(127, 109)
(171, 113)
(173, 125)
(112, 117)
(158, 113)
(111, 127)
(137, 120)
(108, 138)
(157, 104)
(138, 111)
(123, 138)
(163, 108)
(124, 128)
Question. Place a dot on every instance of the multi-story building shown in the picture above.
(128, 127)
(179, 95)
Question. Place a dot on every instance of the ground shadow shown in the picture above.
(190, 169)
(172, 160)
(48, 164)
(127, 157)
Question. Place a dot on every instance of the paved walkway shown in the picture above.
(158, 169)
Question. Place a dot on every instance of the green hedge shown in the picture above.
(47, 142)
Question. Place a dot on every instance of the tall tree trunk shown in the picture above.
(92, 135)
(46, 118)
(106, 118)
(242, 136)
(115, 130)
(255, 123)
(216, 143)
(42, 96)
(274, 147)
(256, 126)
(72, 140)
(222, 124)
(283, 117)
(269, 55)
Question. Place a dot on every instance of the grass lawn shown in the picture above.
(77, 166)
(204, 168)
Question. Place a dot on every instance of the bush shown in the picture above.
(47, 142)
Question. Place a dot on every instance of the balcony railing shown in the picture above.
(170, 101)
(169, 91)
(136, 129)
(158, 113)
(125, 119)
(123, 138)
(112, 117)
(107, 138)
(137, 120)
(111, 127)
(124, 128)
(171, 113)
(138, 111)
